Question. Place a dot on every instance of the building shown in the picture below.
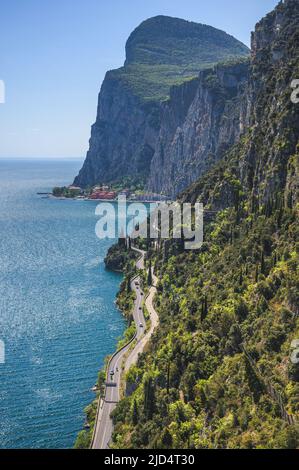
(103, 195)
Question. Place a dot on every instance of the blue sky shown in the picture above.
(54, 55)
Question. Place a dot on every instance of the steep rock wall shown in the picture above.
(201, 121)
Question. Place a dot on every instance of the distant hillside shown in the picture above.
(165, 51)
(160, 53)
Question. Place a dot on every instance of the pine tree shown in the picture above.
(128, 284)
(167, 440)
(263, 264)
(149, 274)
(135, 414)
(241, 278)
(204, 308)
(149, 398)
(257, 273)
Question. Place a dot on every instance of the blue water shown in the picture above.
(57, 313)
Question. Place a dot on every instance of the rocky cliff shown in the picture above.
(202, 119)
(228, 101)
(221, 371)
(160, 53)
(123, 137)
(261, 160)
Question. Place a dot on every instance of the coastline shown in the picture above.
(112, 387)
(64, 198)
(85, 437)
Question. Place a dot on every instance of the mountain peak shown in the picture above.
(166, 40)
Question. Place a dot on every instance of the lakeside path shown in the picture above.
(103, 425)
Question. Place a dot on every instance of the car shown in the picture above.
(141, 293)
(140, 308)
(112, 372)
(140, 325)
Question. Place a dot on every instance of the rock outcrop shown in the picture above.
(123, 137)
(264, 163)
(161, 52)
(202, 119)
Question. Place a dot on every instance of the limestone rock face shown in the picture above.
(123, 137)
(264, 162)
(160, 53)
(202, 119)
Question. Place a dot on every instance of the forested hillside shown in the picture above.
(218, 373)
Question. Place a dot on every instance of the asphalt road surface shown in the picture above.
(104, 425)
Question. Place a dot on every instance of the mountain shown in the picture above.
(162, 52)
(218, 371)
(199, 122)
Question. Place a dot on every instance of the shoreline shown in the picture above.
(63, 198)
(104, 371)
(110, 387)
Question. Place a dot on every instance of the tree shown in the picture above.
(167, 440)
(263, 264)
(135, 414)
(257, 273)
(241, 278)
(149, 274)
(149, 398)
(128, 283)
(122, 242)
(204, 308)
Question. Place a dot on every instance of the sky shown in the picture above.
(54, 55)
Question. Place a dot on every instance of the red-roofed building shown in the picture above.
(103, 195)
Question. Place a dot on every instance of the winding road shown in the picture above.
(124, 359)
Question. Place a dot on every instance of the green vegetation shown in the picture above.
(152, 82)
(196, 387)
(128, 335)
(120, 257)
(65, 192)
(217, 373)
(165, 51)
(84, 437)
(132, 183)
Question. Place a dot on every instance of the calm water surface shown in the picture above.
(57, 313)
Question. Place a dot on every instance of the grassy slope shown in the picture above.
(165, 51)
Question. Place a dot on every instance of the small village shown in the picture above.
(105, 193)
